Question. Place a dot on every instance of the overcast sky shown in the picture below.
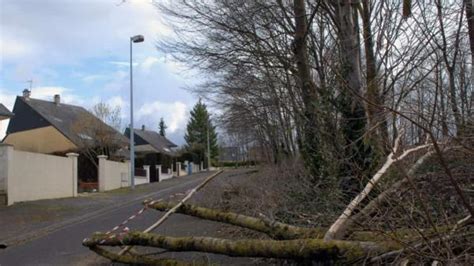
(80, 49)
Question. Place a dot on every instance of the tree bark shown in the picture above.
(275, 230)
(375, 113)
(354, 119)
(135, 259)
(310, 143)
(314, 249)
(470, 27)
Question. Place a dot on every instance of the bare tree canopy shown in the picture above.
(375, 98)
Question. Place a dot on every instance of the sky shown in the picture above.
(80, 50)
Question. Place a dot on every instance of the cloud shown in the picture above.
(174, 114)
(123, 64)
(148, 64)
(81, 29)
(14, 48)
(117, 101)
(92, 78)
(47, 93)
(80, 50)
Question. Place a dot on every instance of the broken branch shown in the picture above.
(335, 229)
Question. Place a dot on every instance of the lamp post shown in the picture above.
(208, 145)
(134, 39)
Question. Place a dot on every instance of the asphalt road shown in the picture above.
(63, 246)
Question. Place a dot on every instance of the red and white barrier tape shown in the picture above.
(142, 210)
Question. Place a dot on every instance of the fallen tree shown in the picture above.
(288, 241)
(315, 249)
(136, 259)
(274, 229)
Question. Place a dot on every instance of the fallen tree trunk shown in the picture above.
(275, 230)
(136, 259)
(314, 249)
(173, 209)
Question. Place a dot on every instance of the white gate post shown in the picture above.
(147, 169)
(178, 168)
(160, 174)
(101, 175)
(73, 156)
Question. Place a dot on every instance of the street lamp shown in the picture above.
(208, 145)
(134, 39)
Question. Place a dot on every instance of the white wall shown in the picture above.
(5, 157)
(112, 175)
(33, 176)
(139, 180)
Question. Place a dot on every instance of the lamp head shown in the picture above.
(137, 38)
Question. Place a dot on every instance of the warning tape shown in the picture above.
(142, 210)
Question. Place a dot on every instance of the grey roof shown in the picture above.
(66, 118)
(4, 112)
(160, 143)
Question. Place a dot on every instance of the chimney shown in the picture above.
(57, 99)
(26, 94)
(143, 127)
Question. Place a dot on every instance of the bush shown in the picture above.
(236, 164)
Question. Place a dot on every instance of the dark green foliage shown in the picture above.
(311, 149)
(163, 127)
(196, 134)
(357, 155)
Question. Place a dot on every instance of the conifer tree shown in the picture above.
(196, 134)
(163, 127)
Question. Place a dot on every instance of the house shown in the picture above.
(153, 149)
(4, 113)
(54, 127)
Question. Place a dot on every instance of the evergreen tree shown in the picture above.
(163, 127)
(196, 134)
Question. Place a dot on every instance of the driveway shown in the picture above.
(55, 232)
